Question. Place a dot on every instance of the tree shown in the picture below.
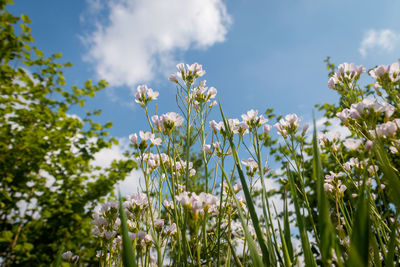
(48, 185)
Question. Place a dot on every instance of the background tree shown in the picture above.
(48, 185)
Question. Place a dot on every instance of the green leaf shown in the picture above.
(325, 227)
(252, 245)
(128, 253)
(25, 19)
(305, 243)
(359, 242)
(390, 178)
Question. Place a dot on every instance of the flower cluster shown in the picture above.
(144, 95)
(251, 166)
(392, 72)
(333, 183)
(346, 74)
(145, 136)
(199, 204)
(202, 94)
(68, 256)
(288, 125)
(188, 74)
(167, 122)
(364, 108)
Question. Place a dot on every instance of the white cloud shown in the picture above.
(379, 40)
(139, 39)
(103, 158)
(334, 127)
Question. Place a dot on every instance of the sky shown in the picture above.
(257, 54)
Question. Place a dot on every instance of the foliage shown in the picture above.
(49, 187)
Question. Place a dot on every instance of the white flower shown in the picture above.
(159, 223)
(207, 149)
(352, 144)
(251, 165)
(379, 71)
(67, 255)
(252, 118)
(394, 72)
(328, 187)
(332, 82)
(216, 126)
(133, 138)
(343, 115)
(342, 188)
(173, 78)
(144, 95)
(171, 230)
(280, 129)
(237, 187)
(267, 128)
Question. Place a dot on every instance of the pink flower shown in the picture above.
(379, 71)
(267, 128)
(352, 144)
(143, 95)
(343, 115)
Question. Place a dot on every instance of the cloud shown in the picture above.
(104, 157)
(334, 127)
(140, 39)
(384, 41)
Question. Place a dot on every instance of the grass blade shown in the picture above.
(252, 245)
(286, 228)
(305, 243)
(392, 244)
(359, 242)
(325, 227)
(390, 178)
(128, 254)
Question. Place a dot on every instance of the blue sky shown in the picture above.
(258, 54)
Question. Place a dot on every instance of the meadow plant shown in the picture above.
(340, 194)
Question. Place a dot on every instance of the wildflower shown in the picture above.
(287, 125)
(280, 130)
(171, 230)
(144, 95)
(343, 115)
(216, 126)
(67, 255)
(202, 94)
(267, 128)
(150, 136)
(252, 119)
(347, 73)
(379, 71)
(386, 129)
(159, 224)
(352, 144)
(173, 78)
(190, 73)
(207, 149)
(166, 122)
(328, 187)
(168, 204)
(251, 166)
(368, 144)
(342, 188)
(305, 128)
(237, 187)
(133, 138)
(394, 72)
